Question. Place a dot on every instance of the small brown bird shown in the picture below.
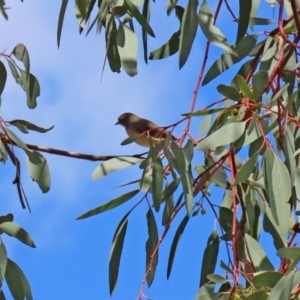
(135, 125)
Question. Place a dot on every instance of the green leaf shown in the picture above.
(244, 18)
(229, 92)
(146, 15)
(246, 169)
(13, 70)
(17, 282)
(32, 88)
(157, 182)
(3, 9)
(22, 124)
(289, 253)
(3, 262)
(112, 52)
(127, 46)
(114, 164)
(116, 252)
(169, 48)
(285, 285)
(259, 83)
(278, 184)
(212, 33)
(223, 136)
(130, 139)
(226, 60)
(188, 31)
(217, 278)
(257, 254)
(139, 17)
(260, 295)
(243, 86)
(168, 210)
(209, 259)
(109, 205)
(151, 244)
(278, 233)
(38, 169)
(266, 279)
(3, 76)
(170, 189)
(289, 150)
(3, 152)
(183, 167)
(15, 230)
(61, 20)
(170, 6)
(203, 112)
(20, 52)
(175, 242)
(15, 139)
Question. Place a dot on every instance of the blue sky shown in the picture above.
(71, 258)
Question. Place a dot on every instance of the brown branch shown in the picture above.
(77, 155)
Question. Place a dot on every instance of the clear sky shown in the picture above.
(71, 258)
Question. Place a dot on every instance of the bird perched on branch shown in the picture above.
(135, 125)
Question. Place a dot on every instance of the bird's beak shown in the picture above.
(117, 123)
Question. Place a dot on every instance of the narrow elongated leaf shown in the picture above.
(130, 139)
(188, 31)
(223, 136)
(277, 232)
(289, 149)
(15, 230)
(113, 165)
(170, 189)
(151, 244)
(168, 210)
(112, 52)
(146, 15)
(17, 282)
(157, 182)
(61, 20)
(277, 183)
(244, 18)
(226, 60)
(244, 88)
(38, 169)
(209, 259)
(204, 112)
(109, 205)
(32, 88)
(15, 139)
(29, 126)
(245, 171)
(3, 76)
(139, 17)
(127, 46)
(169, 48)
(183, 166)
(284, 286)
(266, 279)
(229, 92)
(217, 278)
(175, 242)
(3, 262)
(259, 83)
(20, 52)
(257, 254)
(212, 33)
(3, 152)
(116, 252)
